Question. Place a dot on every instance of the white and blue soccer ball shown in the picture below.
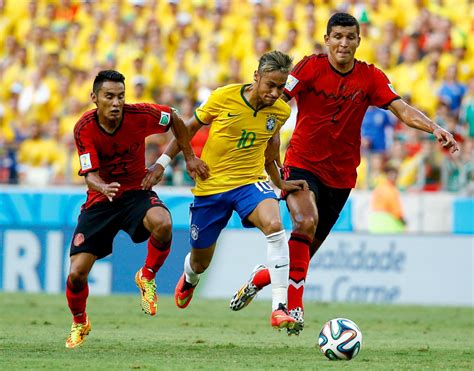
(340, 338)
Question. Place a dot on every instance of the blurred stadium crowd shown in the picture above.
(175, 52)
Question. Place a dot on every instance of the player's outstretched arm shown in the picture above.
(194, 165)
(95, 182)
(156, 171)
(182, 136)
(416, 119)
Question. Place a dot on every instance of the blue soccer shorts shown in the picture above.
(210, 214)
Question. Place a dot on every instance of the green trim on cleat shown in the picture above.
(298, 314)
(78, 334)
(280, 318)
(149, 300)
(182, 297)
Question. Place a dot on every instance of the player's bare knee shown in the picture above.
(162, 233)
(305, 225)
(78, 277)
(161, 229)
(273, 226)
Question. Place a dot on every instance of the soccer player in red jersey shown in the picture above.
(110, 141)
(332, 93)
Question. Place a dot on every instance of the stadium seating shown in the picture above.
(176, 51)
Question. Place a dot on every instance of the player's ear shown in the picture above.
(93, 98)
(256, 75)
(326, 40)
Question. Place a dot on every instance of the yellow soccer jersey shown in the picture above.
(238, 136)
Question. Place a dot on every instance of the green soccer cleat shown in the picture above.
(149, 302)
(78, 334)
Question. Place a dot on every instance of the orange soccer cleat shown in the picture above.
(182, 296)
(281, 319)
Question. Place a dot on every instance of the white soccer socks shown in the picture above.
(279, 266)
(191, 277)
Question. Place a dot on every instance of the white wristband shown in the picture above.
(164, 160)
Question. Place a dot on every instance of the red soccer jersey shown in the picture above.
(118, 156)
(331, 106)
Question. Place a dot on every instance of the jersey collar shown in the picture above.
(96, 116)
(340, 73)
(247, 102)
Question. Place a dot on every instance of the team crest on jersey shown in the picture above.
(194, 232)
(271, 122)
(164, 119)
(78, 239)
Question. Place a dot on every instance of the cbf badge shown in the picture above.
(271, 122)
(194, 232)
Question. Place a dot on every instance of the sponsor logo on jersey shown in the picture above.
(86, 163)
(271, 122)
(291, 82)
(164, 119)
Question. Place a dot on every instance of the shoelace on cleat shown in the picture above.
(150, 288)
(76, 331)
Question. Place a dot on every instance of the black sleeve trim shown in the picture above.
(286, 95)
(385, 106)
(84, 173)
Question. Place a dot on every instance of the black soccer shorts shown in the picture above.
(329, 201)
(99, 224)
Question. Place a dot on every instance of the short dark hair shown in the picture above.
(107, 75)
(342, 19)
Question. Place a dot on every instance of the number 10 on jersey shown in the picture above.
(246, 140)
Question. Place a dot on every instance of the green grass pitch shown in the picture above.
(209, 336)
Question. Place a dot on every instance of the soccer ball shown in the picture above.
(340, 338)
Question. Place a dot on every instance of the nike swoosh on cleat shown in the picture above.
(182, 302)
(280, 266)
(231, 115)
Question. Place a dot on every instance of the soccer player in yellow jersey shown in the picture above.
(245, 119)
